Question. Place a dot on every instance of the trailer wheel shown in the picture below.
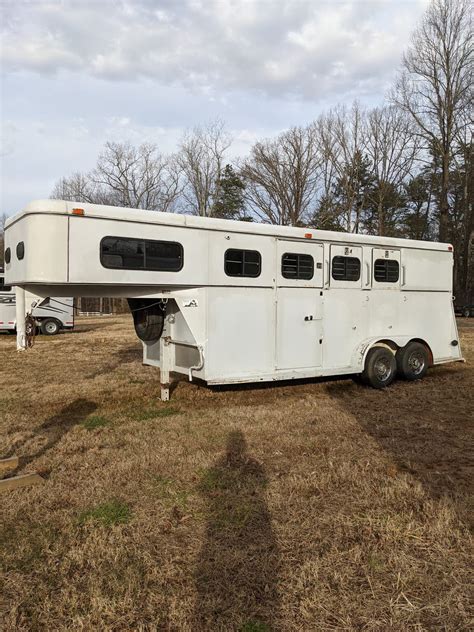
(148, 319)
(380, 367)
(49, 327)
(466, 312)
(413, 361)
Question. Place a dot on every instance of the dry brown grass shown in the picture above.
(312, 506)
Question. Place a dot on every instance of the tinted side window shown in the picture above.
(242, 263)
(120, 252)
(20, 250)
(386, 270)
(163, 255)
(141, 254)
(345, 268)
(297, 266)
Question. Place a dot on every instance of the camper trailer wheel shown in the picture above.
(380, 367)
(413, 361)
(49, 327)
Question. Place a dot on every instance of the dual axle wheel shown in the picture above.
(382, 366)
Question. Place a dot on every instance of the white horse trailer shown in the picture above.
(51, 314)
(231, 302)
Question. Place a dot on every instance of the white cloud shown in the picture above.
(77, 73)
(277, 47)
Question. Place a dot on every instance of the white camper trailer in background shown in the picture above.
(51, 314)
(232, 302)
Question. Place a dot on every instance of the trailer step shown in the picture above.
(14, 482)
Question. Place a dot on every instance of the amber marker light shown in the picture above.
(77, 211)
(308, 235)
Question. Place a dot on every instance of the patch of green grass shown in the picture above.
(170, 492)
(108, 513)
(143, 415)
(210, 480)
(95, 421)
(254, 626)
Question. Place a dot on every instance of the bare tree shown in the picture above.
(137, 177)
(201, 159)
(434, 86)
(392, 148)
(344, 170)
(79, 187)
(281, 177)
(134, 177)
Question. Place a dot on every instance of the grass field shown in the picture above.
(320, 505)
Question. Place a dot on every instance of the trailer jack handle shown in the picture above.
(199, 366)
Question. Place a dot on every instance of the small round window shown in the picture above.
(20, 250)
(8, 255)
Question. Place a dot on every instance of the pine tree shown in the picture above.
(229, 199)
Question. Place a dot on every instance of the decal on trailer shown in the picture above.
(192, 303)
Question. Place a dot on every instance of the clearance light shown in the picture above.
(77, 211)
(450, 248)
(308, 235)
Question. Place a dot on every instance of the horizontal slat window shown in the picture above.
(141, 254)
(386, 271)
(297, 266)
(345, 268)
(242, 263)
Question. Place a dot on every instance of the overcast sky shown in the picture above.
(76, 73)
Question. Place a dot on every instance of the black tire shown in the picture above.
(413, 361)
(50, 327)
(148, 320)
(466, 312)
(380, 367)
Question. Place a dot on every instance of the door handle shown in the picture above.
(404, 274)
(367, 270)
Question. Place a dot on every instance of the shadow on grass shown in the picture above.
(427, 430)
(55, 427)
(126, 355)
(237, 569)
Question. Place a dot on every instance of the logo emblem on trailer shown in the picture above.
(192, 303)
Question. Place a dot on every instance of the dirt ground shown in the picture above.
(321, 505)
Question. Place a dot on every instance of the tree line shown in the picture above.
(404, 169)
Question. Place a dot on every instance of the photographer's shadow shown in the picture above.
(237, 569)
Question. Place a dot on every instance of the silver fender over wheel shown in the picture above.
(413, 361)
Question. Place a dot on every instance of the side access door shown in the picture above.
(299, 312)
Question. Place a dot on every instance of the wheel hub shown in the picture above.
(382, 370)
(416, 362)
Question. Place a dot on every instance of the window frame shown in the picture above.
(243, 276)
(298, 255)
(144, 241)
